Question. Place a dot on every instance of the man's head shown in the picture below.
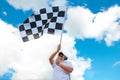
(62, 56)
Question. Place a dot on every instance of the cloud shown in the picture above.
(83, 24)
(5, 13)
(9, 46)
(35, 4)
(30, 59)
(27, 5)
(59, 2)
(116, 63)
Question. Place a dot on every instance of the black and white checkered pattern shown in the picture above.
(47, 20)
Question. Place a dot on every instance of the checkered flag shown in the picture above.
(47, 20)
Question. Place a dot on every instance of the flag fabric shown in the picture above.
(47, 20)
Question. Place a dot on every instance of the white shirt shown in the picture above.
(59, 73)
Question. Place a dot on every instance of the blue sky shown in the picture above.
(95, 5)
(105, 56)
(103, 59)
(12, 12)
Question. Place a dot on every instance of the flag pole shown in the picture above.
(61, 35)
(60, 38)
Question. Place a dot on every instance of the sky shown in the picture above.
(91, 40)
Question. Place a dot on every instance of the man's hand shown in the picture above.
(57, 62)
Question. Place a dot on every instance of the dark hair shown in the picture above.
(65, 57)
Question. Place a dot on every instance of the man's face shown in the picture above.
(61, 57)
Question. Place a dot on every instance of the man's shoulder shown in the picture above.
(68, 63)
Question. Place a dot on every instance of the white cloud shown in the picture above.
(5, 13)
(82, 23)
(27, 5)
(30, 59)
(35, 4)
(9, 46)
(116, 63)
(59, 2)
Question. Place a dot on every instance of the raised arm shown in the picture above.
(54, 53)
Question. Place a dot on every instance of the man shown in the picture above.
(61, 67)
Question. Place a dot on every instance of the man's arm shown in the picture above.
(54, 53)
(66, 68)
